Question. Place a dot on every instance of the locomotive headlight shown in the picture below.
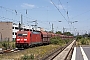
(25, 39)
(18, 39)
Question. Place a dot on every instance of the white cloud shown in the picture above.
(60, 6)
(51, 2)
(26, 5)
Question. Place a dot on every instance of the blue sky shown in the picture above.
(46, 13)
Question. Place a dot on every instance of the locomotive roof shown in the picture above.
(43, 32)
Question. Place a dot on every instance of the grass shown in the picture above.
(38, 52)
(6, 44)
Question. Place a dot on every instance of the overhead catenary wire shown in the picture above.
(62, 6)
(81, 14)
(15, 15)
(65, 10)
(59, 11)
(4, 14)
(15, 12)
(67, 13)
(69, 18)
(62, 14)
(4, 18)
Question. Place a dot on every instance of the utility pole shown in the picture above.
(1, 36)
(21, 21)
(52, 28)
(35, 24)
(63, 29)
(32, 28)
(19, 26)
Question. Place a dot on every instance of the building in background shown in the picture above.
(8, 30)
(5, 31)
(15, 28)
(40, 29)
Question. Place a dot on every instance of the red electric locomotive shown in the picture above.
(27, 38)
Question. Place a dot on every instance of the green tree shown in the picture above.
(58, 32)
(68, 34)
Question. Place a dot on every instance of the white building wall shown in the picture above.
(15, 29)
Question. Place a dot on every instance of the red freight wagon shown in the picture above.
(62, 36)
(44, 37)
(49, 36)
(52, 34)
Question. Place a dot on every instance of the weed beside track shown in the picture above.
(35, 52)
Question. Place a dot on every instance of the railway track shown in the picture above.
(11, 50)
(62, 50)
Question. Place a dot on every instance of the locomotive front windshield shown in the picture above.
(23, 35)
(19, 34)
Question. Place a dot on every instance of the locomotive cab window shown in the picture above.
(24, 35)
(19, 34)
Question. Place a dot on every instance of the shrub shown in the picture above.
(79, 37)
(5, 45)
(13, 45)
(26, 57)
(84, 41)
(32, 56)
(67, 40)
(54, 41)
(58, 41)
